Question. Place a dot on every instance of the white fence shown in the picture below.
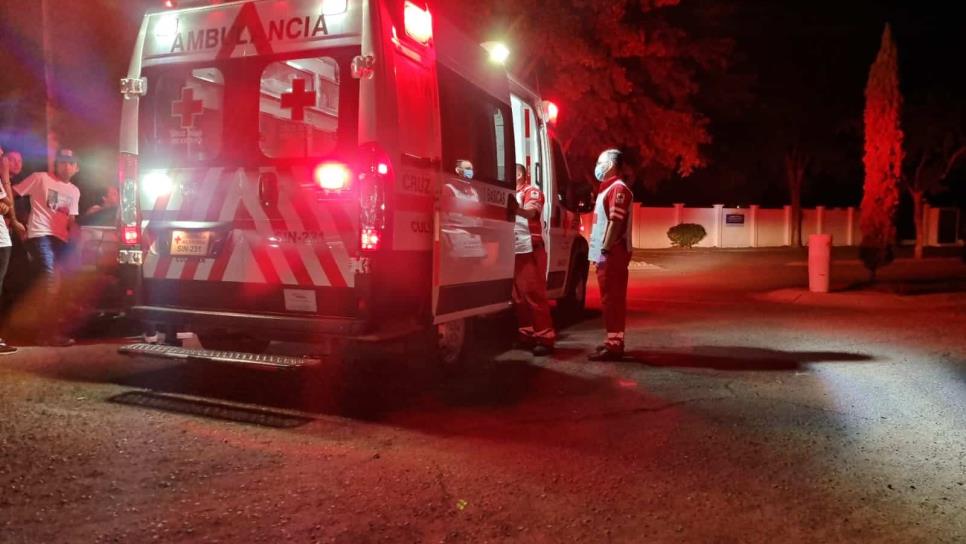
(760, 227)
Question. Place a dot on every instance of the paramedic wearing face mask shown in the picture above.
(610, 251)
(530, 272)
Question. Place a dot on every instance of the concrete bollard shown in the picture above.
(819, 262)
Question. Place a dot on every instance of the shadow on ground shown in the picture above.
(734, 358)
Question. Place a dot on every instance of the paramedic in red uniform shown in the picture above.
(530, 274)
(610, 251)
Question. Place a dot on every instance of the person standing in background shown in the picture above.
(610, 251)
(54, 204)
(10, 165)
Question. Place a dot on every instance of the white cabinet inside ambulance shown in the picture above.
(289, 172)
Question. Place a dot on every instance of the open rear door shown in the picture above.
(473, 249)
(473, 258)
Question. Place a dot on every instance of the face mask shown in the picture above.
(468, 173)
(600, 170)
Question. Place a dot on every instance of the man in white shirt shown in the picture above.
(53, 210)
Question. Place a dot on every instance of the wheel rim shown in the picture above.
(450, 338)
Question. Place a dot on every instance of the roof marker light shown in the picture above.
(334, 7)
(167, 26)
(499, 52)
(419, 23)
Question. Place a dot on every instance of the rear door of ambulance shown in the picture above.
(532, 151)
(474, 240)
(248, 136)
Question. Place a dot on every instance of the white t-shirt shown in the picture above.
(5, 240)
(52, 202)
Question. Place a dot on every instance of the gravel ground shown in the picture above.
(747, 411)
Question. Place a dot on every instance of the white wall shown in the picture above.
(650, 226)
(762, 227)
(771, 228)
(836, 222)
(736, 234)
(704, 217)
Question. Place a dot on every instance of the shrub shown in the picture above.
(686, 234)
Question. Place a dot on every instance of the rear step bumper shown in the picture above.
(296, 329)
(231, 357)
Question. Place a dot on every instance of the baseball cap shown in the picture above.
(65, 155)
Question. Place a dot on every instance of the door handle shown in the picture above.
(268, 189)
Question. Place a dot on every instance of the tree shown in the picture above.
(622, 72)
(935, 132)
(796, 162)
(883, 157)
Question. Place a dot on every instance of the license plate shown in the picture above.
(190, 243)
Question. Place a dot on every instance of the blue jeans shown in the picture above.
(46, 252)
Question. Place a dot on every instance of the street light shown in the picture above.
(499, 52)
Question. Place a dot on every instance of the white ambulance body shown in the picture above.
(288, 172)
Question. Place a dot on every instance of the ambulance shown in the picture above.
(327, 170)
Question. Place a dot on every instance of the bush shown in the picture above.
(686, 234)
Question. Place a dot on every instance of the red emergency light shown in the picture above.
(333, 176)
(170, 4)
(552, 112)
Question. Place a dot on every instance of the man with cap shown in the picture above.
(610, 251)
(530, 271)
(53, 210)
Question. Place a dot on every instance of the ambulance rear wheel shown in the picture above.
(233, 342)
(575, 300)
(452, 339)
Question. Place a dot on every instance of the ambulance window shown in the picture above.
(476, 127)
(185, 119)
(299, 108)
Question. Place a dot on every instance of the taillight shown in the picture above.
(130, 235)
(370, 239)
(375, 179)
(333, 176)
(130, 216)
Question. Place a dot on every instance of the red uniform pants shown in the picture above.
(612, 279)
(530, 296)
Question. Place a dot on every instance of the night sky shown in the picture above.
(806, 64)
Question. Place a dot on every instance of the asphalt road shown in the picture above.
(747, 411)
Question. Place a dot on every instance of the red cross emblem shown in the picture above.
(298, 99)
(187, 108)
